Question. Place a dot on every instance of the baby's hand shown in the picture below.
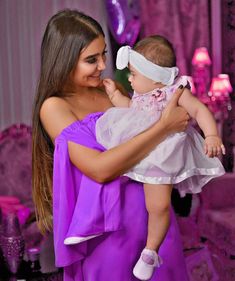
(213, 146)
(110, 86)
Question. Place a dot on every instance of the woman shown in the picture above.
(69, 101)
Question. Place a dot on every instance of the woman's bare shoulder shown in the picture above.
(55, 115)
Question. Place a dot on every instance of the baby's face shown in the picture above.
(139, 83)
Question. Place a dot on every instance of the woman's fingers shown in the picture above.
(175, 98)
(175, 117)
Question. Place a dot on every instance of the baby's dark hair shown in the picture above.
(158, 50)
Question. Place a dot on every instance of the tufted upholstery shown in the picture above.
(16, 183)
(16, 175)
(15, 163)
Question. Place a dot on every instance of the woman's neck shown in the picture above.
(87, 101)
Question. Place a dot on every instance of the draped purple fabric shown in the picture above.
(184, 22)
(113, 254)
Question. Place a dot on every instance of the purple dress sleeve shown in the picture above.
(81, 206)
(117, 211)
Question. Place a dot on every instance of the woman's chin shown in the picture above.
(95, 82)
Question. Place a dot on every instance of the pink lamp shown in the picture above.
(218, 89)
(226, 81)
(201, 57)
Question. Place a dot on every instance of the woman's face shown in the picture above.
(90, 65)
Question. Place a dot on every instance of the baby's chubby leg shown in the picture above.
(158, 202)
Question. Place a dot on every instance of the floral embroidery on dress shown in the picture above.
(159, 95)
(155, 100)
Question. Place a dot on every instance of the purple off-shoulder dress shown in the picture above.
(114, 211)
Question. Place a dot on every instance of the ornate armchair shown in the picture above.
(15, 177)
(15, 163)
(15, 188)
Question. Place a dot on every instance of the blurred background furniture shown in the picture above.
(16, 197)
(216, 223)
(209, 231)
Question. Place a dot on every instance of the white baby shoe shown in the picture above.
(146, 264)
(72, 240)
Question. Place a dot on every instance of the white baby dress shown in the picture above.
(179, 159)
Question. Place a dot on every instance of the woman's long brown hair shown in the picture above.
(67, 33)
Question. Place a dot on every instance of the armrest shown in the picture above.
(219, 192)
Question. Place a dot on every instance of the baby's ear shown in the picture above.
(157, 84)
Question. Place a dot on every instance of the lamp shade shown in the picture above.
(218, 88)
(201, 57)
(226, 81)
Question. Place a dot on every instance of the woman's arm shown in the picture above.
(105, 166)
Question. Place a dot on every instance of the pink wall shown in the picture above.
(22, 23)
(185, 23)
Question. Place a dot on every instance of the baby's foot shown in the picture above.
(146, 264)
(78, 239)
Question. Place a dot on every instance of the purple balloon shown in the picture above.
(123, 24)
(132, 31)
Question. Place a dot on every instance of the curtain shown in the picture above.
(185, 23)
(22, 23)
(228, 66)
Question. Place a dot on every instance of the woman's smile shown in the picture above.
(96, 76)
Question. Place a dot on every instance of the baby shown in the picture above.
(184, 160)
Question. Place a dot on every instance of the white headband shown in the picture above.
(165, 75)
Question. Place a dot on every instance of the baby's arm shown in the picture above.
(197, 110)
(115, 96)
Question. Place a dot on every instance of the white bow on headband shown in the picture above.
(165, 75)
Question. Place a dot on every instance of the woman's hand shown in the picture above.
(174, 117)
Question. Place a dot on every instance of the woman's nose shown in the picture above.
(101, 64)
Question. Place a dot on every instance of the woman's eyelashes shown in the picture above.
(91, 60)
(94, 59)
